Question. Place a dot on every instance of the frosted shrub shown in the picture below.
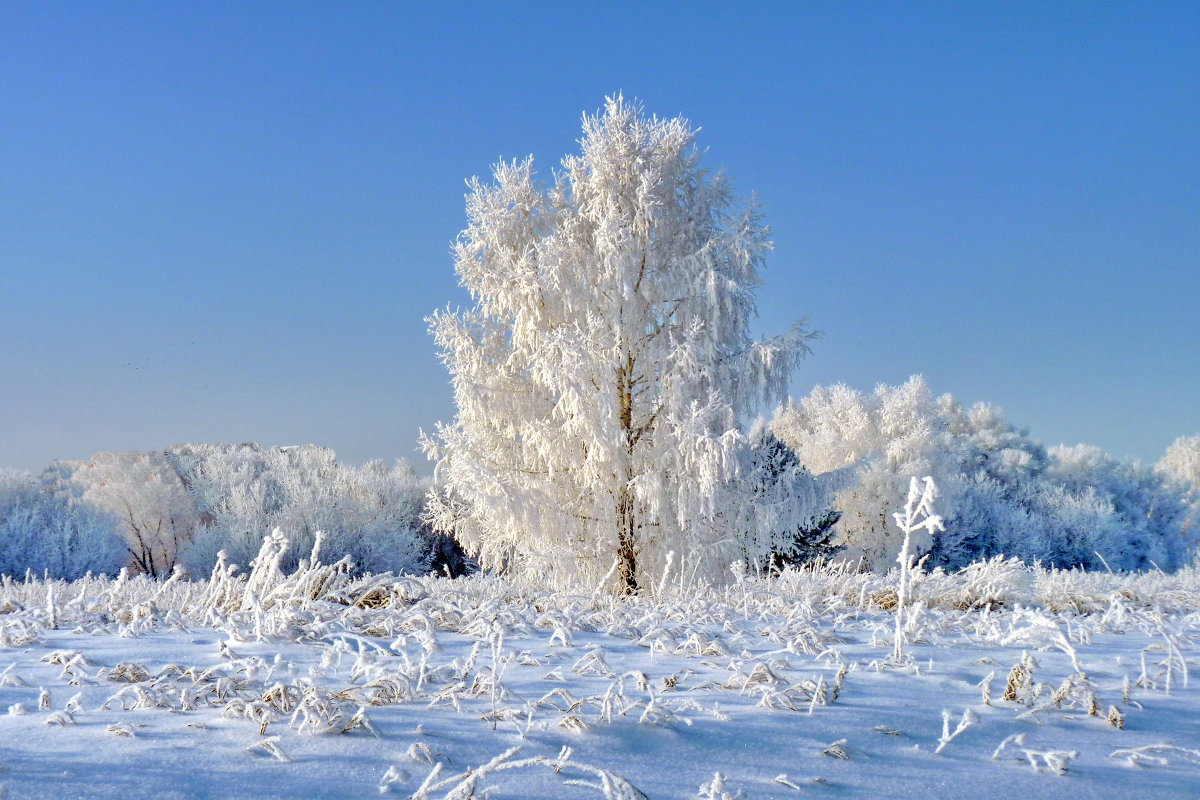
(48, 532)
(716, 789)
(994, 583)
(1002, 492)
(370, 513)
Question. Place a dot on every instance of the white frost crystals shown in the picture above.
(319, 684)
(603, 373)
(917, 516)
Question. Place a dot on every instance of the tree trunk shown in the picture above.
(626, 553)
(626, 524)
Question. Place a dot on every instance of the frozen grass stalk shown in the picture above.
(918, 514)
(336, 647)
(968, 719)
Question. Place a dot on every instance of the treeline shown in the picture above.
(1001, 491)
(820, 479)
(151, 511)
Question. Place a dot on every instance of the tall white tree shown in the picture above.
(607, 362)
(157, 514)
(1181, 463)
(1181, 466)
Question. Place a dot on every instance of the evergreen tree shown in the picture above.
(793, 521)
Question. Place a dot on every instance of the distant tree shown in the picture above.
(158, 516)
(1001, 492)
(601, 375)
(791, 519)
(44, 529)
(883, 439)
(994, 469)
(1142, 519)
(370, 513)
(1181, 466)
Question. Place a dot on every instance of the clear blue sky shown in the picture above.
(227, 221)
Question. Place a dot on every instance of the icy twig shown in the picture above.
(837, 750)
(968, 719)
(1156, 754)
(270, 746)
(1053, 761)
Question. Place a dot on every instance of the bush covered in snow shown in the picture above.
(1002, 492)
(243, 492)
(47, 531)
(184, 504)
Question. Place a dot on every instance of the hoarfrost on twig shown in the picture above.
(837, 750)
(1156, 754)
(1017, 739)
(968, 719)
(270, 746)
(716, 790)
(1052, 761)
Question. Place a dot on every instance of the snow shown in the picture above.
(648, 696)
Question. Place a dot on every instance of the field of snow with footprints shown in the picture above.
(1011, 682)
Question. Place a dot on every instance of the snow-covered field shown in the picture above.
(1015, 683)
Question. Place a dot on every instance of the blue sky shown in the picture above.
(228, 221)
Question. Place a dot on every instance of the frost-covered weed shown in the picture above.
(968, 719)
(1052, 761)
(917, 516)
(716, 789)
(466, 785)
(1157, 754)
(796, 643)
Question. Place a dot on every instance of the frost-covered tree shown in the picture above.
(1143, 523)
(243, 492)
(158, 517)
(884, 439)
(603, 371)
(1181, 466)
(790, 517)
(1002, 492)
(46, 530)
(993, 468)
(184, 504)
(1181, 463)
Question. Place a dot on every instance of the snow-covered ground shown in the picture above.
(317, 685)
